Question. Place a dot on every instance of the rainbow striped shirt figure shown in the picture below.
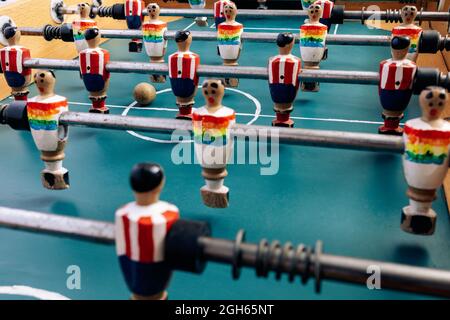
(197, 4)
(229, 40)
(79, 27)
(413, 32)
(425, 145)
(212, 129)
(43, 117)
(307, 3)
(153, 35)
(425, 161)
(312, 42)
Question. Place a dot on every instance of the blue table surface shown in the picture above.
(349, 199)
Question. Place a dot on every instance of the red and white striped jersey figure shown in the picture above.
(93, 63)
(219, 11)
(395, 87)
(80, 25)
(229, 40)
(327, 9)
(313, 36)
(48, 134)
(408, 29)
(134, 19)
(12, 58)
(183, 75)
(141, 230)
(213, 143)
(426, 161)
(153, 32)
(284, 69)
(199, 4)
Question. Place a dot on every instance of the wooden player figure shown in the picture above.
(425, 162)
(48, 134)
(395, 88)
(229, 40)
(141, 229)
(219, 14)
(306, 4)
(313, 36)
(199, 4)
(283, 80)
(12, 58)
(327, 8)
(153, 34)
(183, 76)
(213, 143)
(93, 63)
(134, 18)
(79, 26)
(408, 29)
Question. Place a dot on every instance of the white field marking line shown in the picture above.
(124, 107)
(243, 114)
(189, 26)
(146, 138)
(336, 29)
(32, 292)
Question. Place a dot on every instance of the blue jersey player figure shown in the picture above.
(284, 69)
(134, 18)
(183, 74)
(395, 87)
(141, 230)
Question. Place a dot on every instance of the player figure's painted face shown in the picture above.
(153, 11)
(84, 9)
(432, 102)
(45, 81)
(213, 91)
(230, 11)
(315, 12)
(408, 14)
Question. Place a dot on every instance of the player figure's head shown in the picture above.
(230, 11)
(285, 42)
(315, 12)
(183, 38)
(400, 47)
(11, 34)
(147, 181)
(92, 37)
(213, 90)
(45, 82)
(84, 9)
(153, 10)
(432, 102)
(408, 14)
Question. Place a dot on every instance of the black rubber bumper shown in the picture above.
(183, 250)
(15, 115)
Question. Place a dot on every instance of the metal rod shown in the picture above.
(91, 230)
(333, 267)
(296, 136)
(340, 268)
(336, 39)
(331, 76)
(348, 15)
